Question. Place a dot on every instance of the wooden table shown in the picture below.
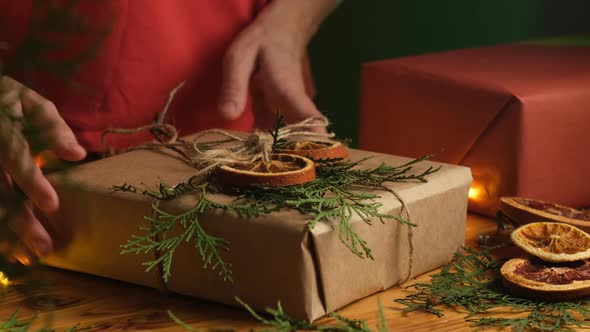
(108, 305)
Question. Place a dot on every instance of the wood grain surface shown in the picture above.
(107, 305)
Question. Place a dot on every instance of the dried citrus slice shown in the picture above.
(553, 242)
(316, 150)
(525, 210)
(281, 170)
(536, 279)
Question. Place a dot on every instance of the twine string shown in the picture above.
(236, 149)
(406, 209)
(163, 132)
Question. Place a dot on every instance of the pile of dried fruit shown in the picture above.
(559, 268)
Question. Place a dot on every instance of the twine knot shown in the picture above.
(237, 149)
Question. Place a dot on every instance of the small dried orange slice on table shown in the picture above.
(522, 211)
(316, 150)
(281, 170)
(533, 278)
(553, 242)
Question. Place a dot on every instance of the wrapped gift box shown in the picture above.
(274, 257)
(518, 115)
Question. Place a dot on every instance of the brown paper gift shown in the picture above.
(517, 115)
(274, 258)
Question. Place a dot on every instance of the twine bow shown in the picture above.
(238, 149)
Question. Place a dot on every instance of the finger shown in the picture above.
(308, 82)
(263, 105)
(289, 90)
(15, 154)
(10, 101)
(43, 114)
(18, 162)
(238, 66)
(298, 105)
(32, 233)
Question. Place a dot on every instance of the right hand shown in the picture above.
(18, 166)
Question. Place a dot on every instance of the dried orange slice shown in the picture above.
(536, 279)
(553, 242)
(525, 210)
(316, 150)
(282, 170)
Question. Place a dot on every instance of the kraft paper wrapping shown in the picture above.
(515, 114)
(273, 257)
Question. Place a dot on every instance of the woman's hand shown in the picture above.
(18, 104)
(270, 54)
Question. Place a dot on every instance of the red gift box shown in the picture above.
(518, 115)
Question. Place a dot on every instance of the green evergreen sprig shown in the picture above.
(279, 321)
(472, 283)
(159, 240)
(341, 191)
(14, 324)
(164, 192)
(277, 142)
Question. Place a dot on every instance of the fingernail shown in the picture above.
(229, 109)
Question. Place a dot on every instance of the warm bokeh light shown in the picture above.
(40, 161)
(4, 279)
(474, 192)
(23, 260)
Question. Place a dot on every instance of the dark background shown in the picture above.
(367, 30)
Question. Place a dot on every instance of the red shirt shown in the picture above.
(148, 47)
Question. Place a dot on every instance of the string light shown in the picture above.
(4, 281)
(474, 192)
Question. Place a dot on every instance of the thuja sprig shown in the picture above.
(472, 283)
(14, 324)
(279, 321)
(164, 191)
(277, 143)
(161, 224)
(337, 195)
(158, 238)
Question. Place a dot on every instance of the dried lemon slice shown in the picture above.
(316, 150)
(553, 242)
(281, 170)
(536, 279)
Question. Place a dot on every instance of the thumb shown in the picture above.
(238, 66)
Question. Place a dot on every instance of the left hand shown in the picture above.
(271, 55)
